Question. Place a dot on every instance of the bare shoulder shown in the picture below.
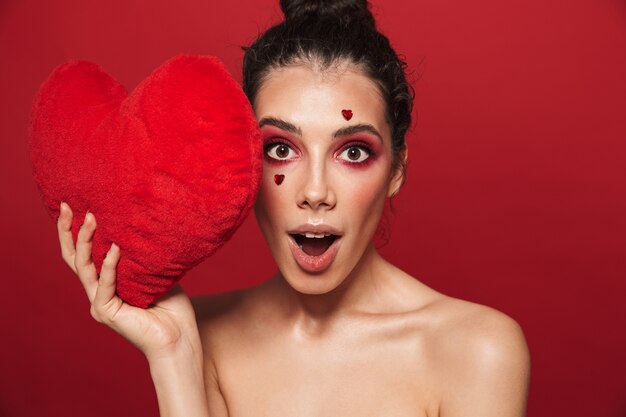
(458, 328)
(222, 318)
(464, 328)
(226, 323)
(481, 358)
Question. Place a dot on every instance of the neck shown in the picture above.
(361, 291)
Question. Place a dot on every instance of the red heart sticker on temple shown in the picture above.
(169, 171)
(347, 114)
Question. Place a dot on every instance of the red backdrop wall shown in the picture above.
(515, 195)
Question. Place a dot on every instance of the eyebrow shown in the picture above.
(344, 131)
(357, 128)
(281, 124)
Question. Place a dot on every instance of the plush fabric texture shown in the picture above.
(169, 171)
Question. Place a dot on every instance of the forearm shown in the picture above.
(179, 383)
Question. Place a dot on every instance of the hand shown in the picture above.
(165, 328)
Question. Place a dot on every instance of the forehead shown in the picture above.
(309, 96)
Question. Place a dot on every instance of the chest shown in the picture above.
(350, 376)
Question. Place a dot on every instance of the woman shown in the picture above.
(338, 331)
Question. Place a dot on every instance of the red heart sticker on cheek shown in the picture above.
(347, 114)
(169, 171)
(279, 178)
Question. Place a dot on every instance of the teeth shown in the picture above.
(314, 235)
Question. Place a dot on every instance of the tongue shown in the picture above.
(314, 246)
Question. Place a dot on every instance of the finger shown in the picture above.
(85, 267)
(64, 227)
(105, 291)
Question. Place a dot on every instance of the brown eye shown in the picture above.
(279, 151)
(282, 151)
(355, 154)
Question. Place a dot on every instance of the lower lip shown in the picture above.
(314, 263)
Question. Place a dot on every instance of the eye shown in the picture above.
(280, 151)
(355, 154)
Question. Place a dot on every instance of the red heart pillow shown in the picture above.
(170, 171)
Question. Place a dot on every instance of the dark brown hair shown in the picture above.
(326, 32)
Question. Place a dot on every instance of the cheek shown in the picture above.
(266, 211)
(364, 194)
(367, 198)
(273, 191)
(275, 173)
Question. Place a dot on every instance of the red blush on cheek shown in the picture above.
(361, 166)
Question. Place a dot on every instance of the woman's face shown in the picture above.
(325, 178)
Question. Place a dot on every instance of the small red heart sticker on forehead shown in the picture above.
(347, 114)
(170, 170)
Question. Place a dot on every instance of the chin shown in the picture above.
(313, 284)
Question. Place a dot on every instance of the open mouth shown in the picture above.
(314, 244)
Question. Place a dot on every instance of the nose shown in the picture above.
(316, 192)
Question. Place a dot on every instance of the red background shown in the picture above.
(515, 194)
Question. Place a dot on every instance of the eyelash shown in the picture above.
(363, 147)
(274, 144)
(358, 145)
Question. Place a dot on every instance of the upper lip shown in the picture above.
(319, 228)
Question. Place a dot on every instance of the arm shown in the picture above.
(206, 307)
(188, 377)
(179, 384)
(488, 371)
(166, 332)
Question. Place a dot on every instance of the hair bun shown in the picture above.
(344, 10)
